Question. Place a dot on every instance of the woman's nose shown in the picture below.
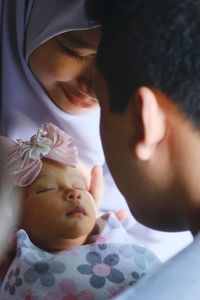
(86, 78)
(72, 195)
(85, 87)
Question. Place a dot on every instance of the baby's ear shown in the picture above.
(85, 173)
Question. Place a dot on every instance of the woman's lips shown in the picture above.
(79, 102)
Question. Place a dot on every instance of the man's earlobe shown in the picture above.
(152, 121)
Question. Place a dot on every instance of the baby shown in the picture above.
(63, 250)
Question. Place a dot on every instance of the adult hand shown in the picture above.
(94, 182)
(97, 185)
(121, 215)
(97, 189)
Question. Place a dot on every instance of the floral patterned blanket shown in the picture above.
(90, 272)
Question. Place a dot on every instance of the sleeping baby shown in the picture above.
(63, 250)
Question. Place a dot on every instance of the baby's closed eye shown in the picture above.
(45, 189)
(80, 186)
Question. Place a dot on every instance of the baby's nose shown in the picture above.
(72, 195)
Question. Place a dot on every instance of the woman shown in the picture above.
(42, 78)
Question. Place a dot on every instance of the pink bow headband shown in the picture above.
(24, 158)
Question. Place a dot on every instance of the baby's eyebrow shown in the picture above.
(39, 182)
(76, 176)
(40, 179)
(42, 176)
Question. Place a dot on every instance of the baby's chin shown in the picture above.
(76, 239)
(59, 244)
(78, 226)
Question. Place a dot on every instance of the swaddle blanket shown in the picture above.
(90, 272)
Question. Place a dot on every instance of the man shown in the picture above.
(148, 85)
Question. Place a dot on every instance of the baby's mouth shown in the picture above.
(76, 210)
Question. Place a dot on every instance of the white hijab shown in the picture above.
(26, 24)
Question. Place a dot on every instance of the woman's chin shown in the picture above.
(68, 107)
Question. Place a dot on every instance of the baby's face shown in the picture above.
(58, 211)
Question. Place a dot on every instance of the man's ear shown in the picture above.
(153, 123)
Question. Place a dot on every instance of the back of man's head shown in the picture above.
(150, 43)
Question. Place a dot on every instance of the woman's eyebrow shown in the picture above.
(78, 42)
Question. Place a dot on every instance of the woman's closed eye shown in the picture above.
(75, 53)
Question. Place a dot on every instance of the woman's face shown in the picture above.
(64, 66)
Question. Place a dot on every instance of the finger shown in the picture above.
(85, 173)
(97, 185)
(122, 215)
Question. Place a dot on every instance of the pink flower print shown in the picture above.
(30, 296)
(54, 296)
(100, 270)
(136, 276)
(13, 281)
(101, 240)
(44, 271)
(68, 287)
(71, 251)
(68, 291)
(115, 291)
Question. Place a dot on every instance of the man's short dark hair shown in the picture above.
(154, 43)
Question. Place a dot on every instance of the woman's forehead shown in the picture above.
(82, 39)
(50, 18)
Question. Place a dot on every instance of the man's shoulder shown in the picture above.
(178, 278)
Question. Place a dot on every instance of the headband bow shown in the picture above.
(24, 160)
